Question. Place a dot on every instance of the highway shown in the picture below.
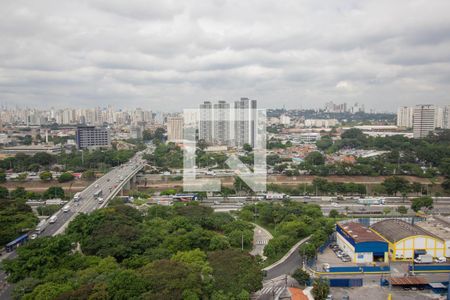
(110, 184)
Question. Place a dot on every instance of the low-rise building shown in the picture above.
(439, 226)
(360, 243)
(407, 241)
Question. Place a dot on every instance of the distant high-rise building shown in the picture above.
(136, 132)
(405, 116)
(244, 125)
(221, 122)
(89, 137)
(439, 117)
(285, 120)
(423, 120)
(446, 122)
(205, 122)
(175, 129)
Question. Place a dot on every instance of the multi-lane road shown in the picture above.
(110, 184)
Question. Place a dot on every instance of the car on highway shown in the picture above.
(96, 185)
(66, 208)
(53, 219)
(33, 236)
(100, 200)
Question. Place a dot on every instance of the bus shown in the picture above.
(275, 196)
(98, 193)
(185, 197)
(371, 201)
(11, 246)
(77, 197)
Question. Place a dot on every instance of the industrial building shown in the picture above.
(407, 241)
(360, 243)
(439, 226)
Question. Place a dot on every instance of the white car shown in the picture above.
(66, 208)
(33, 236)
(440, 260)
(53, 219)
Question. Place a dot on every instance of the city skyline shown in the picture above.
(163, 55)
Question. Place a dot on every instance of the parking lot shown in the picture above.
(381, 293)
(331, 256)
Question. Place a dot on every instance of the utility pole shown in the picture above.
(242, 241)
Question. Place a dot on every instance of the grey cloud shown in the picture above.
(171, 54)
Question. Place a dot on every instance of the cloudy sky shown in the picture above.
(169, 55)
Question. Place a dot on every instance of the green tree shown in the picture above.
(195, 259)
(321, 289)
(239, 185)
(88, 175)
(65, 177)
(18, 193)
(402, 210)
(301, 276)
(43, 158)
(416, 187)
(169, 279)
(54, 192)
(46, 176)
(235, 271)
(386, 210)
(247, 147)
(2, 177)
(446, 184)
(315, 158)
(4, 192)
(333, 214)
(22, 177)
(324, 143)
(395, 184)
(444, 167)
(422, 202)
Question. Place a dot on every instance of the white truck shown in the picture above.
(424, 259)
(41, 226)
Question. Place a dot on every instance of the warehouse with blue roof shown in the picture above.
(360, 243)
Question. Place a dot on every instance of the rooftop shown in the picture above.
(360, 233)
(395, 230)
(436, 226)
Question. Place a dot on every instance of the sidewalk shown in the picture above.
(260, 239)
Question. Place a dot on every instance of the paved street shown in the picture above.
(260, 239)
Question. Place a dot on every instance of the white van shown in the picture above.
(53, 219)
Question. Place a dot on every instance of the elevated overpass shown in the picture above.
(111, 184)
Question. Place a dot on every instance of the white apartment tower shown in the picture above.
(423, 120)
(244, 125)
(405, 116)
(175, 129)
(205, 122)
